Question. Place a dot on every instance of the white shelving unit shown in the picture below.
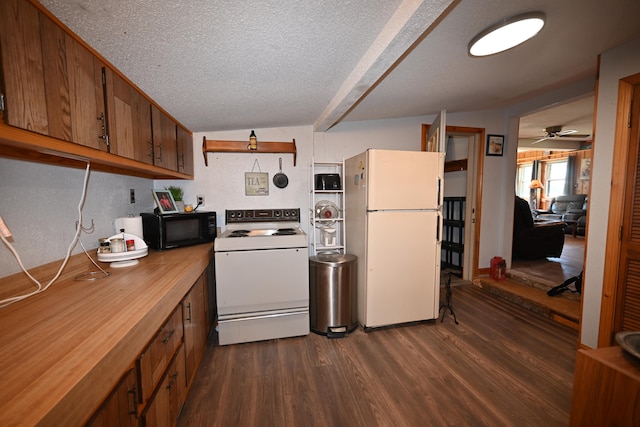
(327, 234)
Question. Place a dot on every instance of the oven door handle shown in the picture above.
(248, 316)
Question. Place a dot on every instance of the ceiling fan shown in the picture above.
(556, 132)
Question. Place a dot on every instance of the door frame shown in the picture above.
(619, 185)
(474, 191)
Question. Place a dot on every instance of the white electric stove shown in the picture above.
(262, 276)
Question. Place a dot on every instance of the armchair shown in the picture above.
(571, 208)
(535, 240)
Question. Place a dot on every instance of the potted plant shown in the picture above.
(177, 194)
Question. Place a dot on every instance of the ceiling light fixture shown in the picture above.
(506, 34)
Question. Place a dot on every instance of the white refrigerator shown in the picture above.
(393, 214)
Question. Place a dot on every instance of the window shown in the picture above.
(523, 180)
(556, 177)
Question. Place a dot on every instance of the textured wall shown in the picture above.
(39, 204)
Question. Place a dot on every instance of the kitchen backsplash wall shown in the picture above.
(222, 183)
(39, 204)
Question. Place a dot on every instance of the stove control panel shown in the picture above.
(262, 215)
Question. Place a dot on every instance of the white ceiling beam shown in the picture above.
(411, 21)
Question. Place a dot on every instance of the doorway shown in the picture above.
(554, 155)
(464, 166)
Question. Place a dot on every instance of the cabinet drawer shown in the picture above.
(165, 405)
(153, 362)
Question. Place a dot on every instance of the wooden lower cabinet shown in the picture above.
(164, 407)
(154, 360)
(606, 389)
(153, 391)
(195, 327)
(121, 407)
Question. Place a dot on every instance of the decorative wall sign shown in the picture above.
(256, 183)
(495, 145)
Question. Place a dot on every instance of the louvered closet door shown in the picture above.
(627, 317)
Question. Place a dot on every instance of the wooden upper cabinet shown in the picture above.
(24, 85)
(164, 140)
(54, 84)
(185, 150)
(58, 99)
(129, 114)
(88, 119)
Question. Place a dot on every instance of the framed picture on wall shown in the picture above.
(495, 145)
(585, 169)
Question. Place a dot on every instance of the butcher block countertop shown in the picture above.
(63, 350)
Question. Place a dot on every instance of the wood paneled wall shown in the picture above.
(580, 179)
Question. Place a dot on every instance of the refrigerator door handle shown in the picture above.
(438, 228)
(439, 191)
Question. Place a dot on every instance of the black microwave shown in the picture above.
(168, 231)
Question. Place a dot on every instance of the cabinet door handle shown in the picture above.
(159, 152)
(169, 336)
(151, 148)
(103, 129)
(132, 403)
(189, 312)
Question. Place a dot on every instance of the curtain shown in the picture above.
(571, 172)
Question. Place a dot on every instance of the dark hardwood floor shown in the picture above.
(501, 366)
(556, 270)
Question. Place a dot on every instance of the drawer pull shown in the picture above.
(169, 336)
(172, 380)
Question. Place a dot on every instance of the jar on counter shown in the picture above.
(105, 246)
(117, 245)
(131, 245)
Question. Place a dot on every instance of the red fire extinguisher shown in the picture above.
(498, 268)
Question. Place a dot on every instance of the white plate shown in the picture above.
(630, 341)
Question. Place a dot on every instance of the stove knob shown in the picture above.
(277, 214)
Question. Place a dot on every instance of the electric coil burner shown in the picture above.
(262, 276)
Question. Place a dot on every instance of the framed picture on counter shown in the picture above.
(165, 201)
(495, 145)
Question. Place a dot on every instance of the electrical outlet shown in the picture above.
(200, 199)
(132, 195)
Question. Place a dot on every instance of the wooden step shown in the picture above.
(565, 310)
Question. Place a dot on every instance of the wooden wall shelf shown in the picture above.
(215, 146)
(455, 165)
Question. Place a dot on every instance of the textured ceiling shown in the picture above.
(238, 64)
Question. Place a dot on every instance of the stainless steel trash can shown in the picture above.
(332, 294)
